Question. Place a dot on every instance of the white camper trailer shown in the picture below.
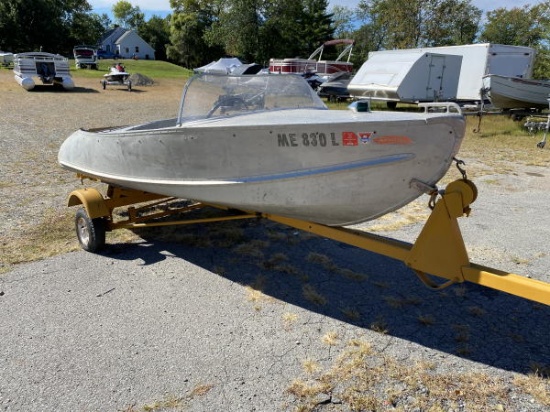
(407, 76)
(478, 60)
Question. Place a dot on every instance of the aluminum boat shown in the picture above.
(269, 144)
(516, 93)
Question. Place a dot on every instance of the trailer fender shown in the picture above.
(92, 200)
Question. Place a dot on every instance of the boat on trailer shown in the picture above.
(269, 144)
(266, 147)
(505, 92)
(117, 76)
(50, 69)
(315, 62)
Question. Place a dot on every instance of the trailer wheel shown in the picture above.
(90, 232)
(104, 83)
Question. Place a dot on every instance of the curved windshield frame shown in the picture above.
(213, 96)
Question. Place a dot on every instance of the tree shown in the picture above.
(280, 33)
(51, 25)
(343, 21)
(450, 22)
(128, 16)
(403, 24)
(237, 28)
(87, 28)
(156, 32)
(189, 23)
(316, 24)
(259, 29)
(517, 26)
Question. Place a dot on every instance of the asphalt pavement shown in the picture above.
(181, 321)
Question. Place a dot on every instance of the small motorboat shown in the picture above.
(506, 92)
(336, 87)
(117, 76)
(269, 144)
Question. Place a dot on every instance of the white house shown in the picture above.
(126, 44)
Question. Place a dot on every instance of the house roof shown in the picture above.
(121, 38)
(116, 33)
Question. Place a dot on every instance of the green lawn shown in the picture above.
(155, 69)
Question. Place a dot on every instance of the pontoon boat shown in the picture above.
(47, 67)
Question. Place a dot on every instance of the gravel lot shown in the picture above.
(176, 324)
(33, 126)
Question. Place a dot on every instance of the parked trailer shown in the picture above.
(407, 76)
(478, 60)
(6, 58)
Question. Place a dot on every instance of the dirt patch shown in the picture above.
(33, 124)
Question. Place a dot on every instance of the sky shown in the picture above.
(162, 7)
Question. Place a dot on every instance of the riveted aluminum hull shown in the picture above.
(331, 167)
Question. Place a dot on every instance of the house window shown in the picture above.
(127, 50)
(137, 49)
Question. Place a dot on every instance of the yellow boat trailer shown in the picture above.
(438, 251)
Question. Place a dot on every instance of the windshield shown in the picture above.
(210, 95)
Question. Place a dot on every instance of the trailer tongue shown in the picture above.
(439, 250)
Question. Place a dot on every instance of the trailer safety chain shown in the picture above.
(460, 169)
(465, 179)
(435, 191)
(483, 94)
(433, 198)
(430, 284)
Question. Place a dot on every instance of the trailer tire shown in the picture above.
(90, 232)
(104, 84)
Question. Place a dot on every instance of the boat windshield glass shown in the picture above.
(210, 95)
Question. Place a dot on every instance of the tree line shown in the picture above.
(200, 31)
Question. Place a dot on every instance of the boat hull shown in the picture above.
(515, 93)
(331, 167)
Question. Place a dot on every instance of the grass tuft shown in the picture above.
(313, 296)
(365, 379)
(55, 234)
(289, 319)
(330, 339)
